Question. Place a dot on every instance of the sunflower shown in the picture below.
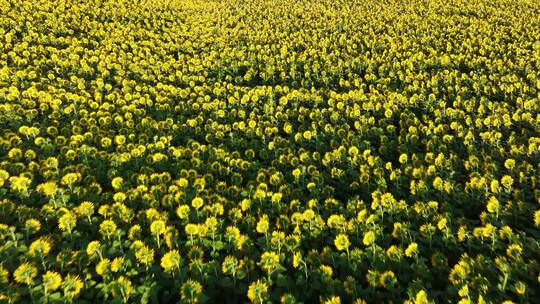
(514, 251)
(51, 281)
(269, 261)
(72, 286)
(191, 291)
(170, 261)
(262, 225)
(197, 203)
(32, 225)
(67, 222)
(107, 228)
(412, 250)
(93, 248)
(122, 287)
(341, 242)
(230, 265)
(40, 247)
(103, 267)
(117, 264)
(145, 255)
(25, 273)
(369, 238)
(257, 292)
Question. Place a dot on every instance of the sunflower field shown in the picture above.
(265, 151)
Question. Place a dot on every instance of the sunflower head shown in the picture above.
(51, 281)
(25, 273)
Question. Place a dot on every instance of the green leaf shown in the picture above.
(282, 280)
(227, 282)
(219, 245)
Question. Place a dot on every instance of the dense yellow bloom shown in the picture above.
(85, 209)
(493, 204)
(403, 158)
(333, 300)
(297, 259)
(48, 189)
(495, 186)
(387, 279)
(262, 225)
(509, 164)
(190, 291)
(394, 253)
(266, 140)
(507, 181)
(93, 248)
(32, 225)
(257, 292)
(51, 162)
(119, 197)
(103, 266)
(421, 297)
(117, 264)
(182, 211)
(327, 270)
(25, 273)
(122, 288)
(269, 261)
(411, 250)
(117, 182)
(171, 260)
(245, 204)
(67, 222)
(341, 242)
(107, 228)
(4, 175)
(537, 217)
(20, 184)
(335, 221)
(229, 265)
(462, 233)
(297, 173)
(438, 184)
(369, 238)
(51, 281)
(442, 224)
(72, 286)
(459, 273)
(192, 229)
(39, 247)
(197, 203)
(4, 275)
(70, 179)
(158, 227)
(464, 291)
(514, 251)
(145, 255)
